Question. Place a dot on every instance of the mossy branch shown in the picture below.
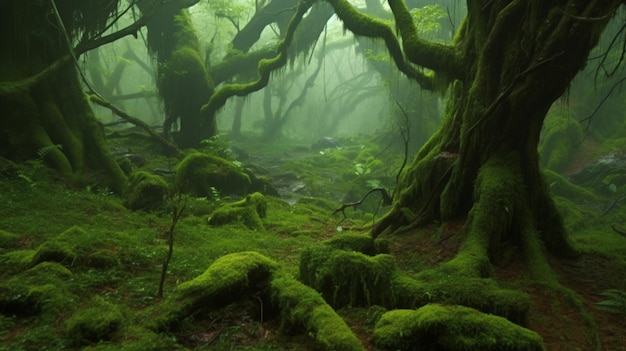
(436, 56)
(364, 25)
(265, 67)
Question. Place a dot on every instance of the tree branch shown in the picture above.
(361, 24)
(265, 67)
(436, 56)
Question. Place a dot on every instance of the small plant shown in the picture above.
(362, 169)
(179, 204)
(42, 152)
(616, 302)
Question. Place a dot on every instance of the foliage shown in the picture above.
(615, 302)
(428, 19)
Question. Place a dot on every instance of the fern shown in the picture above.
(616, 302)
(44, 151)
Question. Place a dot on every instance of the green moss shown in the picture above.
(227, 280)
(199, 174)
(303, 309)
(562, 187)
(146, 191)
(16, 261)
(250, 210)
(560, 136)
(101, 320)
(355, 242)
(7, 240)
(438, 327)
(136, 338)
(39, 289)
(482, 294)
(348, 278)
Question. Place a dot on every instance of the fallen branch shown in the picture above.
(386, 201)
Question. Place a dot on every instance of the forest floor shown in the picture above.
(38, 208)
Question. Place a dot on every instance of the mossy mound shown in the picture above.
(78, 248)
(39, 289)
(228, 279)
(139, 339)
(452, 328)
(303, 308)
(249, 211)
(354, 242)
(7, 240)
(482, 294)
(348, 278)
(200, 175)
(98, 322)
(146, 191)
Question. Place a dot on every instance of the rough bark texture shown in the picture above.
(50, 118)
(517, 58)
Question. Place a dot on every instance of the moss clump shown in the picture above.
(98, 322)
(146, 191)
(249, 211)
(7, 240)
(354, 242)
(348, 278)
(39, 289)
(16, 261)
(449, 328)
(139, 339)
(482, 294)
(200, 174)
(303, 309)
(227, 280)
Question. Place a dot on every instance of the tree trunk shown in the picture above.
(483, 165)
(51, 118)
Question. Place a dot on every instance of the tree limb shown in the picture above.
(361, 24)
(436, 56)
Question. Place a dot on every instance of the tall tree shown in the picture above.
(45, 112)
(509, 61)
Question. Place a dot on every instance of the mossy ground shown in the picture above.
(74, 250)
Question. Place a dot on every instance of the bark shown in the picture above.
(483, 162)
(47, 114)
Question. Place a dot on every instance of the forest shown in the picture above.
(313, 175)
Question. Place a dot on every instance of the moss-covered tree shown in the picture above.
(509, 61)
(45, 111)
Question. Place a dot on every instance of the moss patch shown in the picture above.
(99, 321)
(302, 308)
(200, 174)
(146, 191)
(249, 211)
(448, 328)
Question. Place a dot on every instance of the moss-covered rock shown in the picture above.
(227, 280)
(451, 328)
(249, 211)
(354, 242)
(479, 293)
(99, 321)
(348, 278)
(303, 308)
(200, 174)
(76, 247)
(146, 191)
(39, 289)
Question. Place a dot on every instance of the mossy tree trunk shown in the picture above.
(508, 63)
(49, 117)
